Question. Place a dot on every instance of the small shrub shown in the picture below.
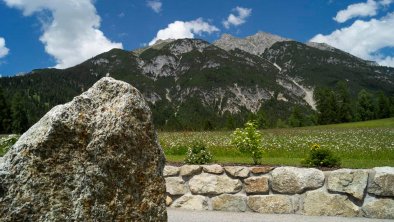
(198, 154)
(6, 143)
(248, 141)
(321, 157)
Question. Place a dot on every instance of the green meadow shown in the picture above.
(359, 144)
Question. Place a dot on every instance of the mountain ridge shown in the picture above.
(193, 84)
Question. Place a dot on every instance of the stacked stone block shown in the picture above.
(282, 190)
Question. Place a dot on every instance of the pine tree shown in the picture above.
(345, 112)
(5, 116)
(19, 115)
(383, 106)
(365, 106)
(296, 118)
(327, 106)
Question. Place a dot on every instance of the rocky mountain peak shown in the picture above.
(321, 46)
(182, 46)
(254, 44)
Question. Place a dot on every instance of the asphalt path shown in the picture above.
(179, 215)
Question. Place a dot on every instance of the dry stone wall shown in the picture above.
(282, 190)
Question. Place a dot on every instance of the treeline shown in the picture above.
(14, 116)
(338, 106)
(20, 110)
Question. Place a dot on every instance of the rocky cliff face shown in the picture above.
(255, 44)
(95, 158)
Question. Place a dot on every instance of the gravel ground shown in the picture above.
(178, 215)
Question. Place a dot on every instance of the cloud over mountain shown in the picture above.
(357, 10)
(364, 38)
(181, 29)
(71, 31)
(239, 19)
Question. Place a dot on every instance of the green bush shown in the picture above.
(248, 141)
(6, 143)
(198, 154)
(321, 157)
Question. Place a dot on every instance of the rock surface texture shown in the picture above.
(95, 158)
(383, 182)
(213, 184)
(292, 180)
(352, 182)
(320, 203)
(271, 204)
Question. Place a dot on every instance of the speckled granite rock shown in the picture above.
(292, 180)
(175, 186)
(320, 203)
(382, 182)
(271, 204)
(256, 185)
(95, 158)
(214, 184)
(352, 182)
(379, 208)
(228, 202)
(237, 171)
(191, 202)
(170, 171)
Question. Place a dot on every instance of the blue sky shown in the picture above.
(57, 33)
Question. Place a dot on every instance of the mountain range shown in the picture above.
(193, 84)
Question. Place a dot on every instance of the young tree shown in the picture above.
(248, 141)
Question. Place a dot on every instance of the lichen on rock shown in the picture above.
(95, 158)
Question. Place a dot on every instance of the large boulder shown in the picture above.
(95, 158)
(292, 180)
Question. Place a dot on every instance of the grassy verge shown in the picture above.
(359, 145)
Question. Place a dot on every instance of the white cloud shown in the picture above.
(3, 50)
(357, 10)
(180, 29)
(367, 9)
(72, 33)
(239, 19)
(364, 39)
(155, 5)
(387, 61)
(386, 2)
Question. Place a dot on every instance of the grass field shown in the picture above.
(359, 145)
